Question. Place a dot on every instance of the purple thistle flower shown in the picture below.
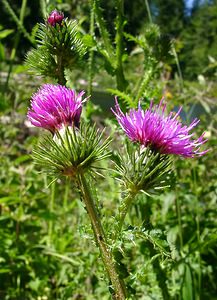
(165, 134)
(54, 106)
(55, 17)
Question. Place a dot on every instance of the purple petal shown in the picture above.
(165, 134)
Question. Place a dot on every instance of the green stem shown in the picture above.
(143, 85)
(66, 195)
(178, 67)
(43, 8)
(91, 52)
(16, 42)
(160, 274)
(178, 211)
(51, 209)
(60, 70)
(91, 57)
(121, 81)
(117, 283)
(199, 257)
(123, 209)
(18, 21)
(148, 10)
(197, 219)
(103, 32)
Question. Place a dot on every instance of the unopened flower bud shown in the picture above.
(55, 17)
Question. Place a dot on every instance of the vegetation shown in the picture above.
(141, 50)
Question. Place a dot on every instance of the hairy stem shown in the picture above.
(160, 273)
(117, 283)
(91, 58)
(121, 81)
(91, 52)
(178, 212)
(143, 84)
(51, 209)
(60, 70)
(104, 32)
(16, 41)
(123, 209)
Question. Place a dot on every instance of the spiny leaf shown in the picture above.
(126, 98)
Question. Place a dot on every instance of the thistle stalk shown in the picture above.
(121, 81)
(51, 210)
(122, 212)
(91, 52)
(17, 37)
(178, 212)
(117, 283)
(146, 78)
(60, 70)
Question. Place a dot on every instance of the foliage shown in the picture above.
(201, 31)
(189, 26)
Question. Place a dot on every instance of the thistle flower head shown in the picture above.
(162, 133)
(55, 17)
(54, 106)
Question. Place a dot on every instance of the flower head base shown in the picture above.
(163, 134)
(55, 17)
(54, 106)
(72, 151)
(142, 169)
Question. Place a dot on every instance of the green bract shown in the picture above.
(59, 47)
(142, 169)
(73, 152)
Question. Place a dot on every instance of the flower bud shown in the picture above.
(55, 17)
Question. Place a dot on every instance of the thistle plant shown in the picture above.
(73, 151)
(74, 148)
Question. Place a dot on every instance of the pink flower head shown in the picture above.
(55, 17)
(54, 106)
(165, 134)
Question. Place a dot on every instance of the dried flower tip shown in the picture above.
(163, 134)
(55, 106)
(55, 17)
